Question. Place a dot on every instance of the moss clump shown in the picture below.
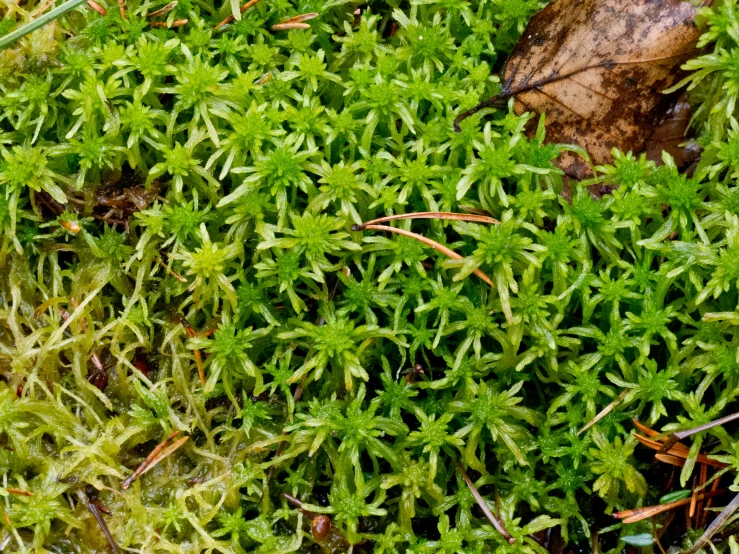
(177, 201)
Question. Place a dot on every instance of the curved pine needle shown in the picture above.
(474, 218)
(428, 242)
(230, 18)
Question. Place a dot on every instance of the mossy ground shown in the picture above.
(159, 183)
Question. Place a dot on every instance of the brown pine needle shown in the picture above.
(288, 26)
(474, 218)
(644, 429)
(299, 18)
(639, 514)
(178, 23)
(102, 11)
(264, 79)
(677, 454)
(230, 18)
(122, 7)
(161, 451)
(170, 271)
(163, 11)
(428, 242)
(20, 492)
(604, 412)
(192, 333)
(483, 505)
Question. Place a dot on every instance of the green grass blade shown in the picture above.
(30, 27)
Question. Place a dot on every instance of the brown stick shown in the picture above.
(428, 242)
(161, 451)
(485, 509)
(475, 218)
(230, 18)
(122, 8)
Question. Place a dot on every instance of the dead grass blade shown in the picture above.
(161, 451)
(428, 242)
(474, 218)
(230, 18)
(604, 412)
(163, 11)
(715, 526)
(483, 506)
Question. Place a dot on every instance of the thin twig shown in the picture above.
(161, 451)
(604, 412)
(122, 8)
(230, 18)
(475, 218)
(428, 242)
(681, 435)
(715, 526)
(483, 505)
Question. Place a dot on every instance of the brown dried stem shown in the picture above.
(178, 23)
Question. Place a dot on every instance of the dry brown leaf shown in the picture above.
(597, 68)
